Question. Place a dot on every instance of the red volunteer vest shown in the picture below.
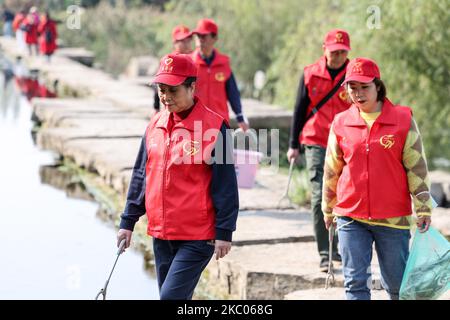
(319, 83)
(31, 36)
(211, 80)
(47, 28)
(178, 179)
(373, 183)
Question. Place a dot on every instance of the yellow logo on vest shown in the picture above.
(387, 141)
(191, 147)
(220, 76)
(343, 95)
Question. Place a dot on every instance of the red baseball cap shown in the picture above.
(337, 39)
(361, 70)
(180, 32)
(206, 26)
(174, 69)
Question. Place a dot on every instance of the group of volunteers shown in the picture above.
(35, 33)
(364, 156)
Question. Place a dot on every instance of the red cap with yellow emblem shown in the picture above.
(174, 69)
(180, 32)
(361, 70)
(337, 39)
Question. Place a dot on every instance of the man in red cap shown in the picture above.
(183, 182)
(216, 83)
(320, 97)
(182, 39)
(182, 43)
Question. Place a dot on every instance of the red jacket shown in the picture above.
(18, 19)
(178, 179)
(319, 83)
(373, 183)
(47, 36)
(31, 34)
(211, 81)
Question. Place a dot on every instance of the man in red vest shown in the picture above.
(215, 82)
(320, 97)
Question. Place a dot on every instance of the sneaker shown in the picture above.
(323, 266)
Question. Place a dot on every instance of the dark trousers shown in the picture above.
(179, 265)
(315, 159)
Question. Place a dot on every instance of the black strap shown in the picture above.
(325, 99)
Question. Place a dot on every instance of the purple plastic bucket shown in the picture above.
(246, 164)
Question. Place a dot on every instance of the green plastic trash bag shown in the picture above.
(427, 272)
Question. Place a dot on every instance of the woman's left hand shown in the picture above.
(423, 223)
(221, 248)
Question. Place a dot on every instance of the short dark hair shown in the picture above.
(381, 89)
(189, 81)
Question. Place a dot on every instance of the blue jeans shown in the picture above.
(179, 265)
(355, 245)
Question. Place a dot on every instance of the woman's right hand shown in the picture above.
(292, 154)
(328, 221)
(124, 234)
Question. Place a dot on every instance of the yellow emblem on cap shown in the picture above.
(191, 147)
(387, 141)
(167, 65)
(357, 68)
(220, 76)
(339, 37)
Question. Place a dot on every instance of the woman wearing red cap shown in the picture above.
(183, 183)
(374, 162)
(182, 43)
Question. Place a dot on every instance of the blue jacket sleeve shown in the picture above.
(224, 189)
(135, 205)
(234, 97)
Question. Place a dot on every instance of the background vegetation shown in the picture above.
(411, 44)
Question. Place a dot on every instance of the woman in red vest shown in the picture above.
(181, 181)
(374, 163)
(29, 27)
(47, 36)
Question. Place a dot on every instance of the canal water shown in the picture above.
(53, 246)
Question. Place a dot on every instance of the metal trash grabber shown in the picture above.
(329, 282)
(102, 291)
(286, 193)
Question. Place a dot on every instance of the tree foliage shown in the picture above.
(408, 39)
